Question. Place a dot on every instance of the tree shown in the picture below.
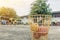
(40, 7)
(7, 12)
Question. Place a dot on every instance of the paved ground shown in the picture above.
(54, 33)
(22, 32)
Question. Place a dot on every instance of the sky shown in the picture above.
(23, 7)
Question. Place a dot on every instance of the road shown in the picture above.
(22, 32)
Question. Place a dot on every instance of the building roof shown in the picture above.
(23, 16)
(56, 12)
(53, 13)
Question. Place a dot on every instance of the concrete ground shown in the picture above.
(22, 32)
(54, 33)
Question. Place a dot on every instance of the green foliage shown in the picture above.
(40, 7)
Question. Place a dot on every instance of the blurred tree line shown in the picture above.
(7, 13)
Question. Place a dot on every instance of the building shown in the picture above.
(56, 18)
(24, 19)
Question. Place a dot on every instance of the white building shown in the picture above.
(24, 19)
(55, 19)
